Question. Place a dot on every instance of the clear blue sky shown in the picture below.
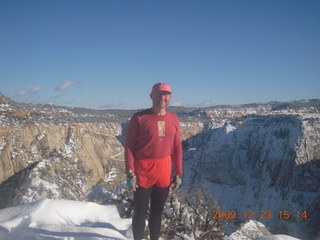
(109, 53)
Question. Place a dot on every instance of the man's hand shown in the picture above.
(132, 183)
(131, 180)
(176, 182)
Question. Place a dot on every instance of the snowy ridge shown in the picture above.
(256, 230)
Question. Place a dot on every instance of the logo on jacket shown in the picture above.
(161, 128)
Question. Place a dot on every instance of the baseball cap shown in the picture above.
(161, 86)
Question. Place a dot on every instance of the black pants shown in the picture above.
(158, 197)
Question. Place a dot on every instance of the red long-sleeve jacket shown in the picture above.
(150, 135)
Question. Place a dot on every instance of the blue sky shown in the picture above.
(109, 53)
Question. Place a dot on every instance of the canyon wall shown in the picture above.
(264, 164)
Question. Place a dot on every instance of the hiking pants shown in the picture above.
(158, 197)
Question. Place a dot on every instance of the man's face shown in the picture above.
(161, 99)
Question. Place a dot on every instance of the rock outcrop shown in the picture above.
(73, 157)
(55, 152)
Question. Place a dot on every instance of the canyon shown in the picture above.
(260, 159)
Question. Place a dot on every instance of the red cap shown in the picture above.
(161, 86)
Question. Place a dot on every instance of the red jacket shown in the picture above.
(150, 135)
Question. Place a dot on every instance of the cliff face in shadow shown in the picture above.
(266, 163)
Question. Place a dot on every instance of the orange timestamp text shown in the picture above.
(264, 214)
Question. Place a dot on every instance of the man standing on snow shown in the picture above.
(152, 143)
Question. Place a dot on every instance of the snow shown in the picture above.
(277, 237)
(3, 144)
(42, 135)
(74, 220)
(112, 175)
(63, 219)
(257, 231)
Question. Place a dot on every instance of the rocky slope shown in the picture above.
(55, 152)
(261, 167)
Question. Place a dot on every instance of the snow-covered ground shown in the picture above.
(73, 220)
(63, 219)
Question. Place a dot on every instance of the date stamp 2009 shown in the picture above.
(264, 214)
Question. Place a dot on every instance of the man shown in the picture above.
(152, 144)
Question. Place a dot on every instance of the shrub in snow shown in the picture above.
(190, 216)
